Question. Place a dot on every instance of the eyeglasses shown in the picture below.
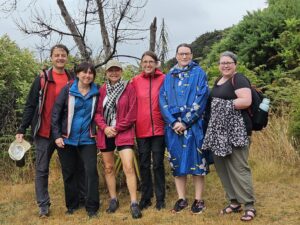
(226, 63)
(184, 54)
(148, 62)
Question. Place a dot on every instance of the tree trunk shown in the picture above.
(153, 29)
(79, 40)
(104, 33)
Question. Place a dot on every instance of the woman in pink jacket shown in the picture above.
(150, 131)
(115, 118)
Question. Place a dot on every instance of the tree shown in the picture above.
(116, 20)
(163, 44)
(153, 29)
(17, 71)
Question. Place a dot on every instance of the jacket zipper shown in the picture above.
(151, 106)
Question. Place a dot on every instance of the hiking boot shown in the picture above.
(70, 211)
(144, 204)
(198, 206)
(44, 211)
(160, 205)
(113, 205)
(135, 211)
(92, 214)
(180, 205)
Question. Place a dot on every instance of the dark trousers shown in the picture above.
(70, 159)
(44, 148)
(152, 149)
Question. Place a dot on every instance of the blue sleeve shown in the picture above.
(164, 105)
(199, 104)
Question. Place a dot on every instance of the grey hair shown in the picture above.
(230, 54)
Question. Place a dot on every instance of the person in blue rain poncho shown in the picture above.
(182, 99)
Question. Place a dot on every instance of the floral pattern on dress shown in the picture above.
(226, 128)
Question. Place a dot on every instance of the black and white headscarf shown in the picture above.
(113, 93)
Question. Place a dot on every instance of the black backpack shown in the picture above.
(259, 118)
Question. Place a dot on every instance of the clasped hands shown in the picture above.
(110, 132)
(179, 128)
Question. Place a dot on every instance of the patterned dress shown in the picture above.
(183, 98)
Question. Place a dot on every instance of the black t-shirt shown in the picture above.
(226, 91)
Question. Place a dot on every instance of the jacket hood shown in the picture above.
(176, 70)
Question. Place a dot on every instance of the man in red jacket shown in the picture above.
(37, 113)
(150, 131)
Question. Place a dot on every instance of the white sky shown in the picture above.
(185, 20)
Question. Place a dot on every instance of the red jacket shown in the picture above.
(149, 120)
(125, 118)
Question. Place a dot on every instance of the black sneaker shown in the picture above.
(144, 204)
(160, 205)
(198, 206)
(135, 211)
(44, 211)
(92, 214)
(70, 211)
(113, 206)
(180, 205)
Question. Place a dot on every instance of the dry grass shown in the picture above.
(276, 175)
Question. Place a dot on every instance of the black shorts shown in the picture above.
(111, 146)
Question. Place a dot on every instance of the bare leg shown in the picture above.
(109, 172)
(128, 168)
(199, 186)
(180, 183)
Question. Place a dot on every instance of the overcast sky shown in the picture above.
(185, 20)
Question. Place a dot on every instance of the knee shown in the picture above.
(128, 169)
(109, 170)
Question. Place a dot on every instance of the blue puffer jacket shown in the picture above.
(72, 115)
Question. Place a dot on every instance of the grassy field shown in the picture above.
(276, 174)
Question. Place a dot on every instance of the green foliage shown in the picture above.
(202, 45)
(213, 73)
(17, 71)
(294, 128)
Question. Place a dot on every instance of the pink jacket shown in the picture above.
(125, 118)
(149, 120)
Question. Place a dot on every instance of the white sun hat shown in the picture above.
(17, 149)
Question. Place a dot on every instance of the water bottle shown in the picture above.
(260, 118)
(265, 104)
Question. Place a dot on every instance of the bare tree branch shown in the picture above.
(116, 19)
(78, 38)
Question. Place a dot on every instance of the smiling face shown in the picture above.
(184, 56)
(114, 74)
(227, 66)
(59, 58)
(148, 64)
(85, 77)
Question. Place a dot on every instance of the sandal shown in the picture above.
(249, 215)
(231, 209)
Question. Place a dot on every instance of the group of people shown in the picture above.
(81, 120)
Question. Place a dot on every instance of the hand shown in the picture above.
(19, 137)
(60, 142)
(179, 128)
(110, 132)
